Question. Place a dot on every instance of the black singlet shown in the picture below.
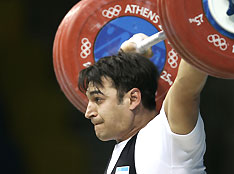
(127, 157)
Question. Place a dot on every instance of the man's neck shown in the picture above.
(141, 119)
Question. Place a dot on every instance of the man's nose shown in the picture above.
(91, 111)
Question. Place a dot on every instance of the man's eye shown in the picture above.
(98, 100)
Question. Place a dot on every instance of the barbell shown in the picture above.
(196, 30)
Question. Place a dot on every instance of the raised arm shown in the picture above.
(182, 101)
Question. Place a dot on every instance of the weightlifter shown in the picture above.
(121, 91)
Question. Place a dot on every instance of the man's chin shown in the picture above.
(103, 137)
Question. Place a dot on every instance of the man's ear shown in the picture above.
(135, 98)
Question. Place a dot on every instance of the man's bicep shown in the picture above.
(182, 101)
(181, 110)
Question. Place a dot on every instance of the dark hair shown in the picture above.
(127, 71)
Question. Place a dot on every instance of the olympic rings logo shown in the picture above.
(85, 47)
(217, 41)
(112, 11)
(173, 57)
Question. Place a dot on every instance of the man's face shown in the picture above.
(112, 120)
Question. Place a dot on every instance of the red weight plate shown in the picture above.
(196, 36)
(92, 30)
